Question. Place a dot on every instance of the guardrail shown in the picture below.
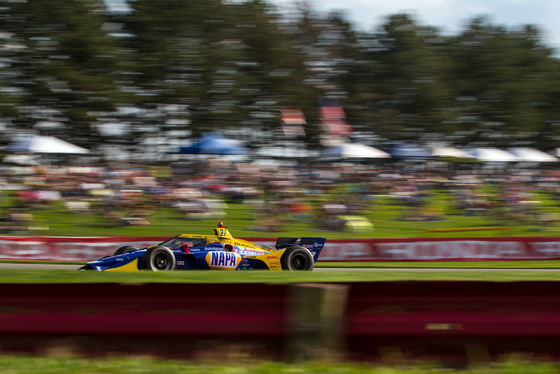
(356, 321)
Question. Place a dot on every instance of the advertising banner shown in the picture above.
(443, 249)
(416, 249)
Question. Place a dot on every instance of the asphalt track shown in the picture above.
(8, 265)
(49, 266)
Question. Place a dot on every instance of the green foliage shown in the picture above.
(237, 64)
(75, 365)
(67, 64)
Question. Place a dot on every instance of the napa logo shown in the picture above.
(223, 260)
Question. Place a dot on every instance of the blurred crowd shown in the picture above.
(331, 197)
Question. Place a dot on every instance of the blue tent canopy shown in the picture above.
(213, 144)
(409, 151)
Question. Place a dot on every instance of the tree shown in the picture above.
(402, 80)
(503, 83)
(67, 63)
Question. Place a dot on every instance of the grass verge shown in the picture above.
(382, 211)
(335, 276)
(71, 365)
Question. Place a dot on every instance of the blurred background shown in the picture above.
(151, 117)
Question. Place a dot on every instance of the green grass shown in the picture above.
(240, 218)
(205, 276)
(499, 271)
(73, 365)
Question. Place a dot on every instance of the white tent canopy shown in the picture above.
(532, 155)
(284, 152)
(450, 152)
(353, 150)
(44, 144)
(493, 155)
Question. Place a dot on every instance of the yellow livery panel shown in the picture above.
(131, 266)
(272, 260)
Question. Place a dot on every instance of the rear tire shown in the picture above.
(125, 249)
(158, 259)
(297, 258)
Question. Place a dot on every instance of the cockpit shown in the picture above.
(180, 241)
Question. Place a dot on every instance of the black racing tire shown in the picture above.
(158, 259)
(125, 249)
(297, 258)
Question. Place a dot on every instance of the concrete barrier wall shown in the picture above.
(357, 321)
(452, 319)
(148, 309)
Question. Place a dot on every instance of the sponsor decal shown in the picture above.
(179, 263)
(546, 249)
(251, 253)
(212, 248)
(222, 260)
(477, 249)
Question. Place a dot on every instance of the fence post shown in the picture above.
(316, 318)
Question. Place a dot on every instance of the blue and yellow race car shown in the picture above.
(219, 251)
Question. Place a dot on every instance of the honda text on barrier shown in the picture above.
(220, 251)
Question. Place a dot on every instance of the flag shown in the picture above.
(333, 119)
(292, 122)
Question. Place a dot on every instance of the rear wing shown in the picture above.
(314, 245)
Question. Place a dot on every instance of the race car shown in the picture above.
(220, 251)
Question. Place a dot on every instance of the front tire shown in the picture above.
(158, 259)
(125, 249)
(297, 258)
